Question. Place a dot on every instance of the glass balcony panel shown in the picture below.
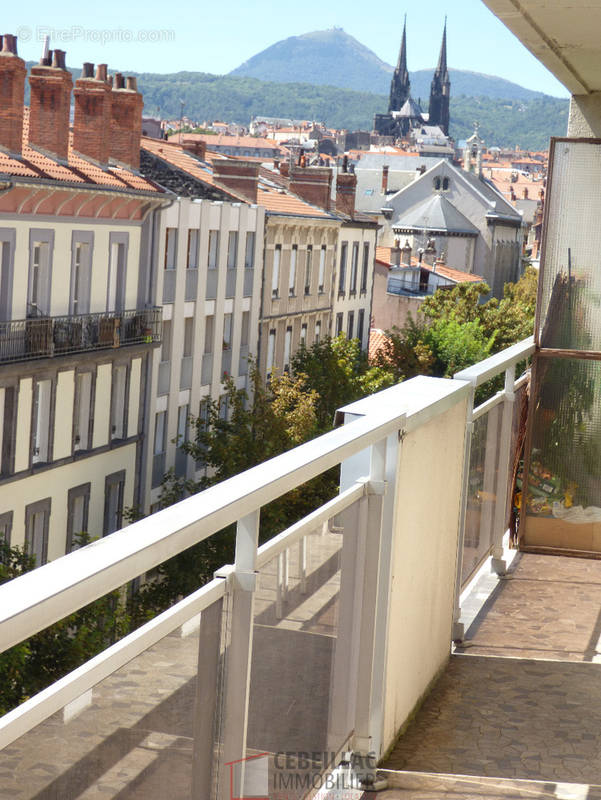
(158, 469)
(249, 277)
(243, 365)
(563, 496)
(169, 279)
(191, 284)
(212, 276)
(226, 362)
(146, 731)
(206, 372)
(185, 378)
(164, 377)
(230, 283)
(302, 645)
(482, 491)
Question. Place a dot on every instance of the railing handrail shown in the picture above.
(41, 597)
(75, 317)
(479, 373)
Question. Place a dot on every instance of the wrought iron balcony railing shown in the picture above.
(47, 337)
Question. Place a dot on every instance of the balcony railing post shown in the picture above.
(500, 517)
(242, 584)
(458, 628)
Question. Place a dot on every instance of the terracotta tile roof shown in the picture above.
(377, 338)
(223, 140)
(278, 201)
(383, 256)
(79, 171)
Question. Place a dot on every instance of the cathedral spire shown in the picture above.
(400, 85)
(440, 92)
(441, 69)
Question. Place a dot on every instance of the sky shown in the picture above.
(160, 36)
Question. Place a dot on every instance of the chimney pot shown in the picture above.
(119, 81)
(46, 60)
(88, 70)
(384, 179)
(58, 59)
(101, 72)
(132, 84)
(9, 44)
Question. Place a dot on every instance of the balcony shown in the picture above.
(320, 641)
(49, 337)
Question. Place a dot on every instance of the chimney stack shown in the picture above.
(384, 179)
(346, 187)
(197, 147)
(92, 120)
(50, 105)
(126, 122)
(242, 177)
(525, 192)
(12, 88)
(395, 254)
(312, 184)
(430, 253)
(406, 253)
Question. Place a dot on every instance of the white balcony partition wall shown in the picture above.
(378, 562)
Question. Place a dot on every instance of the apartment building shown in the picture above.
(209, 285)
(75, 340)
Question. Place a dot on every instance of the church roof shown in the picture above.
(436, 213)
(410, 109)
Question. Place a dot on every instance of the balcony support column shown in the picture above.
(238, 655)
(585, 116)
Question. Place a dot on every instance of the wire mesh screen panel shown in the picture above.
(563, 492)
(571, 275)
(301, 665)
(482, 491)
(146, 731)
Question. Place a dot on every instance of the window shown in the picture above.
(183, 413)
(275, 275)
(114, 486)
(203, 422)
(354, 265)
(160, 431)
(223, 407)
(342, 276)
(42, 398)
(292, 273)
(271, 349)
(166, 341)
(350, 325)
(436, 182)
(287, 345)
(338, 323)
(82, 412)
(308, 268)
(209, 333)
(317, 332)
(192, 259)
(360, 323)
(227, 331)
(232, 249)
(37, 521)
(170, 248)
(245, 329)
(445, 184)
(6, 526)
(303, 335)
(249, 253)
(213, 249)
(8, 428)
(188, 336)
(81, 272)
(39, 278)
(7, 257)
(365, 268)
(117, 268)
(78, 505)
(118, 406)
(322, 268)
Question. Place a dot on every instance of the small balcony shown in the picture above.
(49, 337)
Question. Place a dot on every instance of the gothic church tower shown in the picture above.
(440, 92)
(400, 85)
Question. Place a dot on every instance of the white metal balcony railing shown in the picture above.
(300, 646)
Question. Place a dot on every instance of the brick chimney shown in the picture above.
(313, 184)
(346, 187)
(242, 177)
(197, 147)
(384, 179)
(126, 122)
(12, 87)
(50, 103)
(92, 120)
(406, 253)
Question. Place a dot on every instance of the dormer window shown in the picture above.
(437, 184)
(445, 184)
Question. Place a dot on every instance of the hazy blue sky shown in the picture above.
(162, 36)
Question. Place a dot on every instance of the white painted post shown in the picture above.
(458, 627)
(371, 524)
(500, 520)
(302, 564)
(242, 585)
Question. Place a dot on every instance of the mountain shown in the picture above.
(335, 58)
